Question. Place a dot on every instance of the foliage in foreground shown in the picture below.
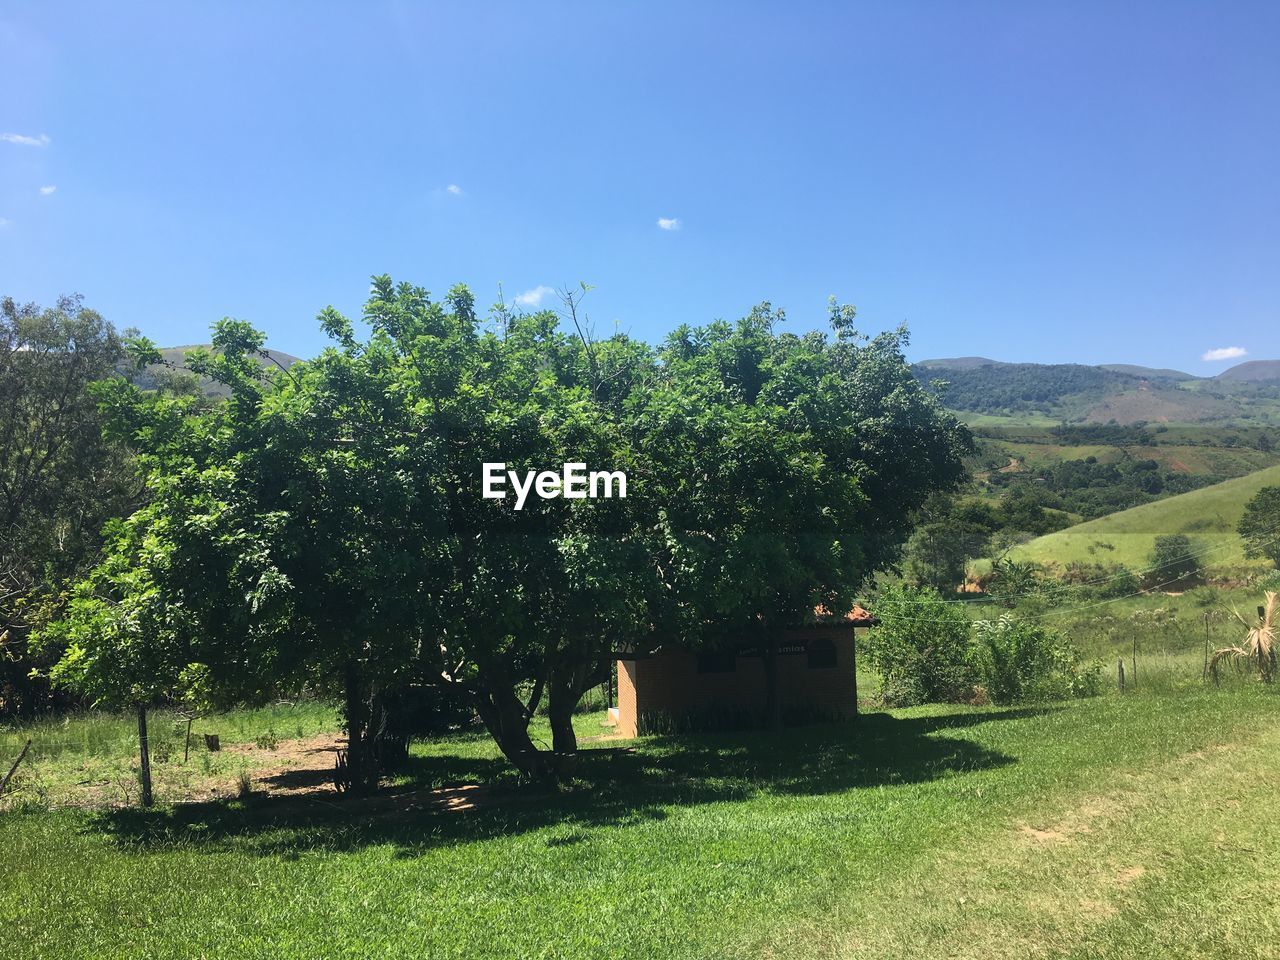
(1259, 647)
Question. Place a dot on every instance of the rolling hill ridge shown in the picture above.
(1122, 393)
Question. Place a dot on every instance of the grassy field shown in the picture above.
(89, 759)
(1181, 458)
(1133, 826)
(1209, 516)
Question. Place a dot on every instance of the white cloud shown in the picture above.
(668, 223)
(534, 297)
(48, 190)
(1224, 353)
(25, 141)
(3, 222)
(454, 189)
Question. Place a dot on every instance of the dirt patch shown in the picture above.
(294, 767)
(1043, 834)
(1129, 874)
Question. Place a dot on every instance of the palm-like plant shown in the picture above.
(1259, 647)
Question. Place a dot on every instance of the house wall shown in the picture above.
(669, 683)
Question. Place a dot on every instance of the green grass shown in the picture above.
(1209, 516)
(1117, 827)
(90, 758)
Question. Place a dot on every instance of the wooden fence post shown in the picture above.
(14, 769)
(1205, 674)
(1120, 673)
(144, 755)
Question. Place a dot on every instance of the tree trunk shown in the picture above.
(772, 698)
(388, 731)
(560, 706)
(504, 716)
(569, 681)
(361, 771)
(144, 755)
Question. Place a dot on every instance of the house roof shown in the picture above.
(858, 617)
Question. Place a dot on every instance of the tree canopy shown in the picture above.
(325, 524)
(60, 479)
(1260, 525)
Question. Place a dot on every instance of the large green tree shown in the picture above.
(1260, 525)
(326, 524)
(60, 480)
(781, 471)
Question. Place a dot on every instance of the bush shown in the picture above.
(920, 649)
(1018, 661)
(1013, 580)
(1171, 559)
(1105, 581)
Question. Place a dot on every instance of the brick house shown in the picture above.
(672, 689)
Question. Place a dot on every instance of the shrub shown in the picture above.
(267, 740)
(1172, 559)
(1105, 581)
(920, 648)
(1019, 661)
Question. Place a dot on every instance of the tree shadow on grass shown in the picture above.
(613, 786)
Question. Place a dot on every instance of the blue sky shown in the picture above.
(1028, 181)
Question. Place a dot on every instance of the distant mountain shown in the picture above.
(1150, 373)
(1119, 392)
(175, 357)
(1064, 390)
(961, 363)
(1252, 371)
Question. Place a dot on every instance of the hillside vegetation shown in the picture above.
(1208, 516)
(174, 362)
(1123, 393)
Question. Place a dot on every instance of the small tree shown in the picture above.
(1260, 525)
(124, 646)
(1173, 558)
(938, 553)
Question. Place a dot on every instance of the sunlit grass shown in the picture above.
(937, 831)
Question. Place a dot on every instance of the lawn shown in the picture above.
(1135, 826)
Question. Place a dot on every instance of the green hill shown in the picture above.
(174, 358)
(1120, 393)
(1208, 516)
